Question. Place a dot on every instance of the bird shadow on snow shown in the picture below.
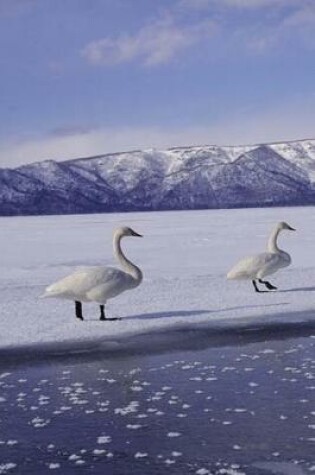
(168, 314)
(192, 313)
(297, 289)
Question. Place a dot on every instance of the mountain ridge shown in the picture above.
(193, 177)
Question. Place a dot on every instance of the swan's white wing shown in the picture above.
(77, 286)
(254, 267)
(271, 266)
(118, 283)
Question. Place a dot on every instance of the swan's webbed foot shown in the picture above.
(103, 316)
(268, 284)
(78, 310)
(255, 286)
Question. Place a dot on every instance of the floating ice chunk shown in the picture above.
(169, 461)
(53, 466)
(230, 471)
(4, 375)
(74, 457)
(132, 407)
(173, 434)
(4, 467)
(99, 451)
(140, 455)
(38, 422)
(104, 439)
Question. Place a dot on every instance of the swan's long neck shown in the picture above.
(272, 242)
(127, 265)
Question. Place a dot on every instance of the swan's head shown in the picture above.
(283, 225)
(126, 231)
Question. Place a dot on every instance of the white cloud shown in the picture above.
(273, 25)
(153, 44)
(295, 28)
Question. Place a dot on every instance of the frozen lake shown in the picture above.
(200, 376)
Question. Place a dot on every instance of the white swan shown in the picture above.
(99, 284)
(260, 265)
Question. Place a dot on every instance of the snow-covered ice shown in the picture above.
(184, 257)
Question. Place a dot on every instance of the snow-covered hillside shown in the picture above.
(178, 178)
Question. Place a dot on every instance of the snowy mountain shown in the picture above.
(178, 178)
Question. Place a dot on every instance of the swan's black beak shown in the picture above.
(136, 234)
(291, 229)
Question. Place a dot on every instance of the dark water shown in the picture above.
(235, 410)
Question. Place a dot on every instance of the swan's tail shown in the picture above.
(236, 274)
(50, 292)
(47, 295)
(230, 275)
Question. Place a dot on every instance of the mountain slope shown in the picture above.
(178, 178)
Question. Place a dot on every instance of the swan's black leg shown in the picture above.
(255, 286)
(267, 284)
(78, 310)
(103, 316)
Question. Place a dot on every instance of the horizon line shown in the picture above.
(180, 147)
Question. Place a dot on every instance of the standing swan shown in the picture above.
(99, 284)
(258, 266)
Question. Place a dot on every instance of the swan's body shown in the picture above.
(267, 263)
(99, 284)
(92, 284)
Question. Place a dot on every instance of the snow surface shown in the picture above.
(184, 256)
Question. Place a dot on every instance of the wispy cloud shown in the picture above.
(152, 45)
(281, 22)
(240, 4)
(288, 121)
(295, 28)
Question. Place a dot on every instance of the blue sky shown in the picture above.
(82, 77)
